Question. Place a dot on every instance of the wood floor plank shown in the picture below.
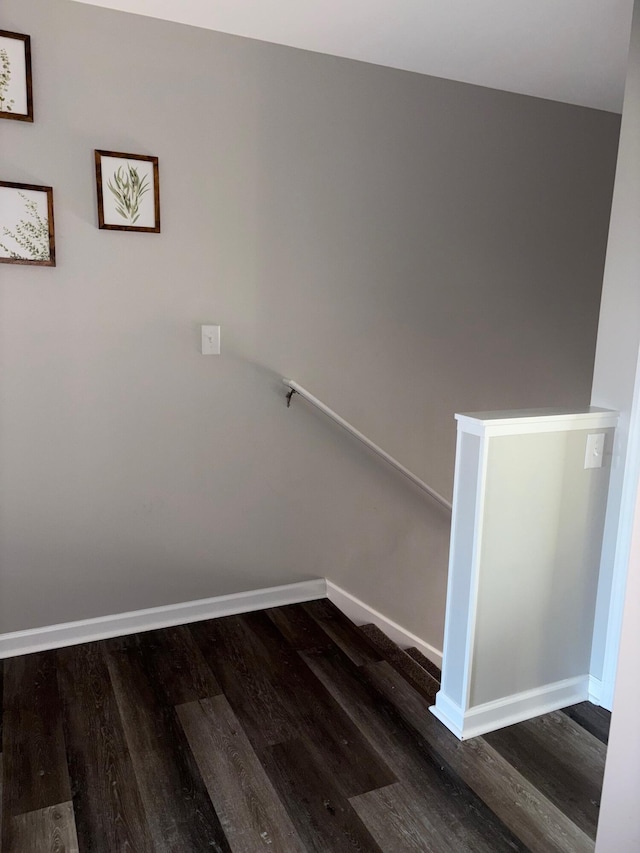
(397, 822)
(33, 740)
(107, 804)
(418, 677)
(243, 670)
(277, 698)
(594, 719)
(457, 817)
(178, 809)
(324, 818)
(331, 735)
(50, 830)
(300, 630)
(250, 811)
(175, 663)
(561, 759)
(531, 816)
(342, 631)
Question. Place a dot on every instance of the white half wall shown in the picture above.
(616, 380)
(619, 826)
(528, 518)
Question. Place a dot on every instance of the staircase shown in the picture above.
(419, 671)
(367, 644)
(541, 778)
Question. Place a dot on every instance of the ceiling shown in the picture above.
(565, 50)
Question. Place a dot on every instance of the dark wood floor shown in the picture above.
(284, 730)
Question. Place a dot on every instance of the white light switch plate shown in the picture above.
(595, 451)
(210, 340)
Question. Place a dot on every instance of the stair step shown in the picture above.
(425, 663)
(418, 677)
(344, 633)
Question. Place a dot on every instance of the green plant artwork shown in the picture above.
(6, 103)
(31, 234)
(128, 189)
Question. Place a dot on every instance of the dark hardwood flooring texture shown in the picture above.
(284, 730)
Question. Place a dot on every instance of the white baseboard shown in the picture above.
(512, 709)
(449, 713)
(361, 614)
(595, 690)
(103, 627)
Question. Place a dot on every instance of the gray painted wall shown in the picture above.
(403, 246)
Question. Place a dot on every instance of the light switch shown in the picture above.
(595, 451)
(210, 340)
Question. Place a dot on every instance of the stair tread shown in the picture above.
(343, 632)
(425, 663)
(418, 677)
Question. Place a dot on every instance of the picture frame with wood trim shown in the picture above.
(128, 192)
(27, 233)
(16, 89)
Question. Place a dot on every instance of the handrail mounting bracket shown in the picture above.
(289, 396)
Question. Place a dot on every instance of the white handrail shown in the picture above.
(298, 389)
